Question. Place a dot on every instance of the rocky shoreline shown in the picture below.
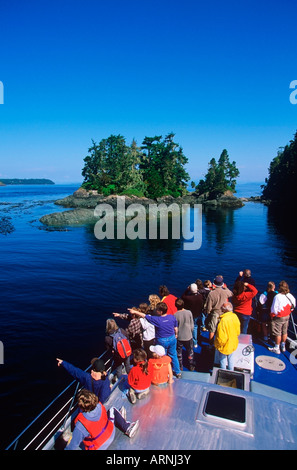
(81, 205)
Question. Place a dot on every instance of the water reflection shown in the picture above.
(218, 227)
(132, 252)
(281, 225)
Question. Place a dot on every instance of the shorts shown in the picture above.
(279, 325)
(211, 322)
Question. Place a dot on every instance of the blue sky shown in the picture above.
(217, 74)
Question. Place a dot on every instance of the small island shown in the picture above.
(18, 181)
(152, 173)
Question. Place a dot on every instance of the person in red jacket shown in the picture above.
(243, 293)
(95, 427)
(140, 376)
(168, 299)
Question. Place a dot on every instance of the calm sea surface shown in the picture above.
(58, 287)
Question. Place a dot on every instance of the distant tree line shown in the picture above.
(9, 181)
(281, 184)
(155, 169)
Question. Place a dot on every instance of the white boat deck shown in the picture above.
(175, 418)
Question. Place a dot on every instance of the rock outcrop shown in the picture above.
(82, 204)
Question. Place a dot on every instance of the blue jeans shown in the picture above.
(195, 331)
(226, 361)
(169, 344)
(244, 322)
(203, 317)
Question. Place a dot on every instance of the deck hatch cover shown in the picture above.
(226, 406)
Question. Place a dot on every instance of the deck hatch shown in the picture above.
(228, 378)
(226, 406)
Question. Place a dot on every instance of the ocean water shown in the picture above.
(58, 287)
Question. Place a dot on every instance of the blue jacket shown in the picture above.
(101, 388)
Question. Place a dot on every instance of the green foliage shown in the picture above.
(221, 176)
(132, 192)
(163, 167)
(112, 166)
(110, 189)
(155, 169)
(14, 181)
(281, 184)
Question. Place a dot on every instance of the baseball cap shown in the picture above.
(98, 365)
(158, 349)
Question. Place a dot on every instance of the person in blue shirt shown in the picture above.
(166, 329)
(96, 381)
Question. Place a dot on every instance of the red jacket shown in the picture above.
(138, 380)
(242, 303)
(169, 300)
(99, 431)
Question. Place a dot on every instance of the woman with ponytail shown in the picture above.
(140, 376)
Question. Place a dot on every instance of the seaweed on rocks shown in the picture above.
(6, 226)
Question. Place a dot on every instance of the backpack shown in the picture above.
(121, 344)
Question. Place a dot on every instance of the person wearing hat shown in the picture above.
(214, 302)
(96, 381)
(161, 366)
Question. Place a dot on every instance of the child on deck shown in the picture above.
(162, 370)
(140, 376)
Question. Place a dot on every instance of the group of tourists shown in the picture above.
(225, 312)
(155, 337)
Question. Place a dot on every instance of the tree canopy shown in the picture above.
(221, 176)
(280, 186)
(153, 170)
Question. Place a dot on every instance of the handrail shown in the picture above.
(55, 426)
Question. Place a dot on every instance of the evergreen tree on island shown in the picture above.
(221, 177)
(154, 170)
(280, 186)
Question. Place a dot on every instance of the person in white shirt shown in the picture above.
(282, 306)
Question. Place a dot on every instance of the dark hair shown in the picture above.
(238, 288)
(97, 365)
(140, 357)
(161, 307)
(207, 283)
(179, 303)
(143, 307)
(199, 283)
(270, 286)
(163, 291)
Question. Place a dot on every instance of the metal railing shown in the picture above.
(54, 419)
(292, 332)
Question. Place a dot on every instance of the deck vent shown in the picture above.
(225, 406)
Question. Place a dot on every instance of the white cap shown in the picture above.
(194, 288)
(158, 349)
